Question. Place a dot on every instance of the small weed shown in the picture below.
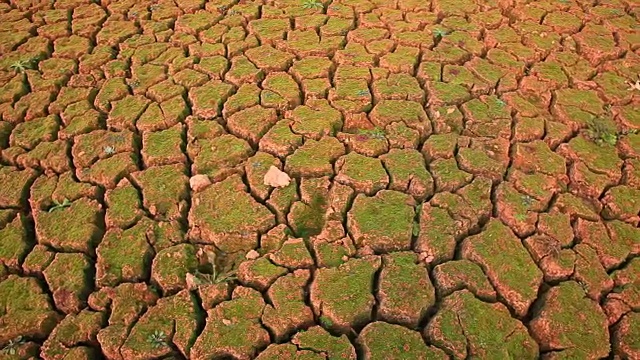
(57, 206)
(634, 85)
(521, 217)
(267, 95)
(620, 288)
(415, 229)
(154, 7)
(312, 4)
(20, 66)
(222, 8)
(527, 200)
(363, 92)
(109, 150)
(439, 33)
(215, 277)
(376, 133)
(233, 12)
(12, 346)
(600, 133)
(157, 339)
(257, 164)
(325, 321)
(134, 83)
(501, 103)
(287, 231)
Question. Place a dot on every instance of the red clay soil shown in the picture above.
(458, 179)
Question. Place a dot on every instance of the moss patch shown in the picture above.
(383, 222)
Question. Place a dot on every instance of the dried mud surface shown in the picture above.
(465, 179)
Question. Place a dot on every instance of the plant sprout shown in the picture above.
(57, 206)
(157, 339)
(109, 150)
(312, 4)
(215, 277)
(12, 346)
(440, 33)
(20, 66)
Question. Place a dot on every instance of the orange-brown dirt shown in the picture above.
(319, 179)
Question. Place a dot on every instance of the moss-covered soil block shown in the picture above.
(461, 179)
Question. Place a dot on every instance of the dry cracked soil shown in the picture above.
(465, 179)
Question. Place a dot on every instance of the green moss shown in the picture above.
(337, 25)
(364, 169)
(582, 99)
(598, 158)
(265, 268)
(219, 153)
(497, 248)
(346, 291)
(148, 52)
(6, 216)
(385, 220)
(215, 66)
(224, 209)
(112, 89)
(126, 111)
(22, 294)
(13, 89)
(163, 188)
(406, 166)
(177, 316)
(344, 72)
(14, 243)
(171, 265)
(307, 220)
(573, 305)
(390, 341)
(246, 96)
(124, 255)
(242, 68)
(311, 67)
(15, 184)
(72, 228)
(203, 129)
(70, 272)
(38, 259)
(314, 157)
(270, 29)
(407, 288)
(316, 120)
(283, 85)
(189, 78)
(108, 172)
(319, 340)
(123, 205)
(74, 329)
(211, 96)
(163, 144)
(447, 172)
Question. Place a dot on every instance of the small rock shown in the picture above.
(276, 177)
(226, 322)
(199, 182)
(252, 255)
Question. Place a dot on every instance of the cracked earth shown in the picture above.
(465, 179)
